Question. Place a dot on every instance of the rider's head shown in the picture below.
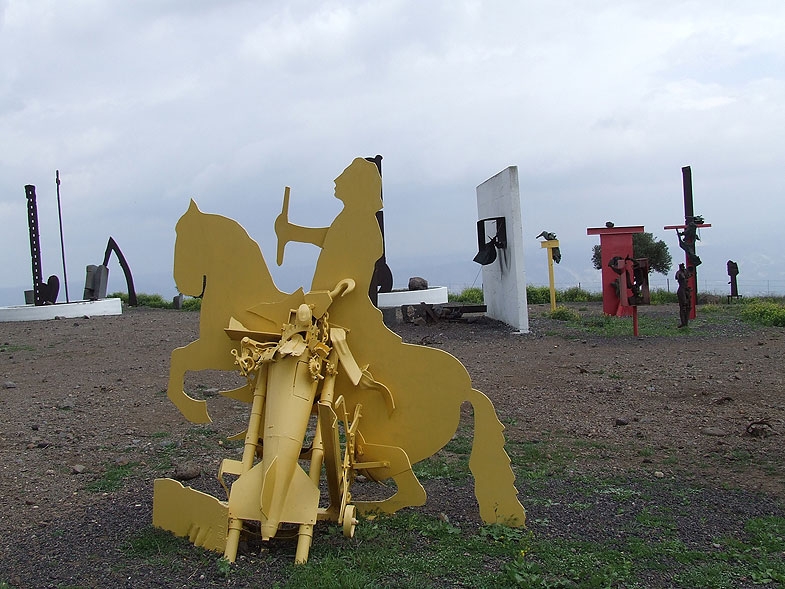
(360, 185)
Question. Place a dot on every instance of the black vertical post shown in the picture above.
(62, 243)
(35, 244)
(686, 176)
(382, 280)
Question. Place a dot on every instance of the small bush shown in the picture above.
(156, 301)
(764, 313)
(472, 295)
(538, 295)
(576, 294)
(192, 304)
(562, 313)
(119, 295)
(660, 296)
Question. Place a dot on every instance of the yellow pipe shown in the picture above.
(549, 245)
(305, 533)
(249, 453)
(550, 276)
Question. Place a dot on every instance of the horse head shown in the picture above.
(189, 275)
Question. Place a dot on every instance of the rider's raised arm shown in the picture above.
(287, 231)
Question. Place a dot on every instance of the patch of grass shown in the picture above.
(559, 563)
(539, 460)
(461, 443)
(620, 494)
(656, 518)
(112, 479)
(441, 466)
(163, 457)
(16, 348)
(411, 550)
(615, 326)
(562, 313)
(151, 542)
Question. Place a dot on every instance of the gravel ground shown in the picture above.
(83, 401)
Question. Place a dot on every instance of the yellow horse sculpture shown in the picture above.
(427, 385)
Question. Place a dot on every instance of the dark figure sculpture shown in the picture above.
(556, 252)
(684, 294)
(687, 239)
(733, 271)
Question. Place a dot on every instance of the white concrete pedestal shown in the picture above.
(65, 310)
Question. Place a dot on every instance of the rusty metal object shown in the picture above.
(112, 246)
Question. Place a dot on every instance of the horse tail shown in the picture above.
(494, 481)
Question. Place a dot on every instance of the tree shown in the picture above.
(643, 246)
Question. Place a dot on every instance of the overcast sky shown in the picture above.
(143, 105)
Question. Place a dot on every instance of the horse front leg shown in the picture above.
(494, 481)
(194, 356)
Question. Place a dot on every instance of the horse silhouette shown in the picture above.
(428, 385)
(215, 256)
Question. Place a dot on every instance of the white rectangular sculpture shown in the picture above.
(504, 280)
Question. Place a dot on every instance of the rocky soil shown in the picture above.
(87, 427)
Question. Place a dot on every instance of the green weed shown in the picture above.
(562, 313)
(440, 466)
(150, 542)
(112, 479)
(764, 313)
(16, 348)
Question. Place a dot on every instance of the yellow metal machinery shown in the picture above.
(380, 405)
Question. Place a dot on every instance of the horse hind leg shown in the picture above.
(409, 492)
(494, 481)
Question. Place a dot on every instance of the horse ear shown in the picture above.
(192, 208)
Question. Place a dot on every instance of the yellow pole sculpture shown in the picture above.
(380, 405)
(550, 245)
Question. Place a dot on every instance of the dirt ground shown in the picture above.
(83, 401)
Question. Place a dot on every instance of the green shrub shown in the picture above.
(119, 295)
(192, 304)
(764, 313)
(576, 294)
(538, 295)
(153, 300)
(660, 296)
(562, 313)
(157, 301)
(472, 295)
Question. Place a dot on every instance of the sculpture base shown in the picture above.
(65, 310)
(436, 295)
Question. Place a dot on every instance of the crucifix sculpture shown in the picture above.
(689, 236)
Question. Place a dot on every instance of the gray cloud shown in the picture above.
(142, 106)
